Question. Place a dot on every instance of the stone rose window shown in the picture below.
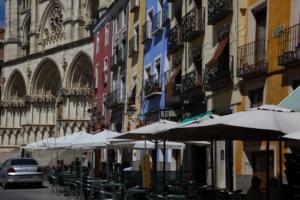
(56, 20)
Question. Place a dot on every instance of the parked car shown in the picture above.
(20, 170)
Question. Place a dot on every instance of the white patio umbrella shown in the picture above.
(40, 145)
(293, 136)
(147, 132)
(66, 142)
(98, 140)
(267, 122)
(130, 144)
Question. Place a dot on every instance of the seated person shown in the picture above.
(254, 192)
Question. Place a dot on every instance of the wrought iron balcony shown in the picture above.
(134, 5)
(192, 89)
(175, 39)
(289, 47)
(157, 23)
(193, 23)
(115, 98)
(219, 75)
(147, 32)
(152, 86)
(252, 60)
(218, 10)
(133, 45)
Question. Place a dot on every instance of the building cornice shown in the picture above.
(47, 52)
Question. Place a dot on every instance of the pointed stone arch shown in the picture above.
(26, 33)
(52, 5)
(16, 87)
(46, 79)
(80, 73)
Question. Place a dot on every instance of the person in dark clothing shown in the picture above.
(254, 192)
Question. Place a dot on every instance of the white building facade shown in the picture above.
(47, 74)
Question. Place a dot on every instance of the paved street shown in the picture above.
(29, 193)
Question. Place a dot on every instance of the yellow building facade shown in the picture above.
(263, 78)
(135, 63)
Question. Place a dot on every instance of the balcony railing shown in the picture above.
(115, 98)
(289, 45)
(133, 45)
(134, 5)
(175, 39)
(193, 23)
(152, 86)
(192, 86)
(252, 59)
(218, 10)
(219, 75)
(147, 32)
(157, 23)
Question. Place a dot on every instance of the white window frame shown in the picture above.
(98, 42)
(106, 39)
(96, 75)
(105, 70)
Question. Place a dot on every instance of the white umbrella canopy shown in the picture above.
(149, 131)
(267, 122)
(98, 140)
(40, 145)
(66, 142)
(293, 136)
(130, 144)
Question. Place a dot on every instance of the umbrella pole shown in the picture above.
(107, 162)
(280, 162)
(155, 166)
(164, 169)
(212, 168)
(74, 152)
(51, 158)
(267, 170)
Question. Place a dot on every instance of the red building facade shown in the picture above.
(102, 57)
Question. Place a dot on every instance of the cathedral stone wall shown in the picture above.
(46, 77)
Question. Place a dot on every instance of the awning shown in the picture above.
(190, 119)
(292, 102)
(221, 46)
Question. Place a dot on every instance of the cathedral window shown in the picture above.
(56, 20)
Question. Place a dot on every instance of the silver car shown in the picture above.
(20, 170)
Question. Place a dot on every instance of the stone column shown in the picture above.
(68, 22)
(12, 50)
(34, 34)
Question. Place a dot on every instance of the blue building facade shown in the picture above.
(155, 38)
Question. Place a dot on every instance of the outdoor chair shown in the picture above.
(135, 193)
(53, 184)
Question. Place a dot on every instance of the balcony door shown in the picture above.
(260, 35)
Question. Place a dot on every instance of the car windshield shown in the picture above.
(23, 162)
